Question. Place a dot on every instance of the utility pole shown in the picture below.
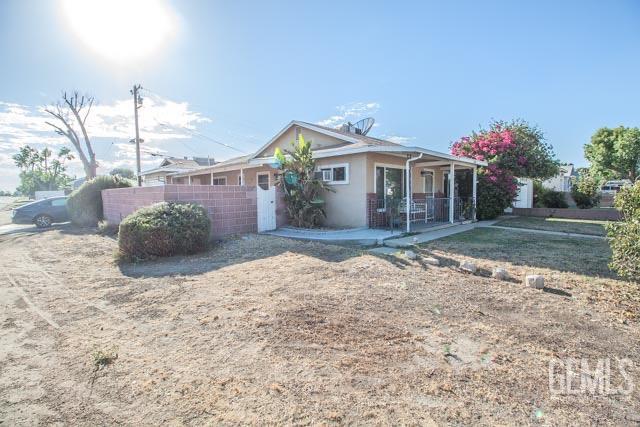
(137, 103)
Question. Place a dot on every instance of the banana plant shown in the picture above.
(302, 190)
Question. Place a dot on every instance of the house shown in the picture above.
(169, 165)
(562, 181)
(374, 180)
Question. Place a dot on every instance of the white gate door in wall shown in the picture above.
(266, 209)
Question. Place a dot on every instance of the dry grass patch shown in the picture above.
(265, 330)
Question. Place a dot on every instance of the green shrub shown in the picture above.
(627, 201)
(553, 199)
(105, 228)
(164, 229)
(585, 192)
(85, 203)
(538, 192)
(624, 236)
(492, 199)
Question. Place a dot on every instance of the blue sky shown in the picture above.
(237, 72)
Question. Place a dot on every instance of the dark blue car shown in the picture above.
(42, 213)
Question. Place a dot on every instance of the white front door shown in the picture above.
(266, 209)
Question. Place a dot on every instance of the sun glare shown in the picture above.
(121, 30)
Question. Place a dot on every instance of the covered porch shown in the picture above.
(427, 192)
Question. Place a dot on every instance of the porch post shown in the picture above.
(452, 183)
(409, 194)
(211, 179)
(475, 185)
(242, 176)
(189, 179)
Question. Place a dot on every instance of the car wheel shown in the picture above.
(43, 221)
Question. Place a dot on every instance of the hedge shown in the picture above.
(624, 236)
(85, 203)
(164, 229)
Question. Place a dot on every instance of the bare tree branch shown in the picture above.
(60, 113)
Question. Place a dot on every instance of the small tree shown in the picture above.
(584, 191)
(615, 153)
(39, 170)
(624, 236)
(300, 186)
(512, 149)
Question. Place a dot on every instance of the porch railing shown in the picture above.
(392, 212)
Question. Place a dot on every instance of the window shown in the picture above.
(389, 184)
(221, 180)
(335, 174)
(263, 180)
(239, 179)
(59, 202)
(428, 182)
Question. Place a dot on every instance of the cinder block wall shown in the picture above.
(232, 208)
(588, 214)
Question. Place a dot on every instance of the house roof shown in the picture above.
(187, 163)
(354, 143)
(567, 170)
(177, 164)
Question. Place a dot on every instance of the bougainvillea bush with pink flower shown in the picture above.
(512, 149)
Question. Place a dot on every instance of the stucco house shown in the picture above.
(374, 180)
(169, 165)
(562, 181)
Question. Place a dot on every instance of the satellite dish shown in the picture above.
(361, 127)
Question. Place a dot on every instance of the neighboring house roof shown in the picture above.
(177, 164)
(187, 163)
(568, 170)
(166, 169)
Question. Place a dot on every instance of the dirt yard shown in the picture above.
(265, 330)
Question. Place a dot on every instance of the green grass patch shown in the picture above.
(570, 254)
(580, 226)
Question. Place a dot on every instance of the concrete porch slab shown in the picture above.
(357, 236)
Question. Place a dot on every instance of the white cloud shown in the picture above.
(110, 127)
(403, 140)
(351, 113)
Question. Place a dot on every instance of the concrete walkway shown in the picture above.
(427, 236)
(357, 236)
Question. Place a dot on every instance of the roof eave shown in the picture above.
(319, 154)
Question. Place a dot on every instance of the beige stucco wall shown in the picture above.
(347, 206)
(155, 178)
(250, 175)
(318, 140)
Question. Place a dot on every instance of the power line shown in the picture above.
(200, 135)
(192, 131)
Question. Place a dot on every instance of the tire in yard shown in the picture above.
(42, 221)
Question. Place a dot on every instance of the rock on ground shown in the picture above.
(534, 281)
(500, 274)
(410, 254)
(431, 261)
(468, 267)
